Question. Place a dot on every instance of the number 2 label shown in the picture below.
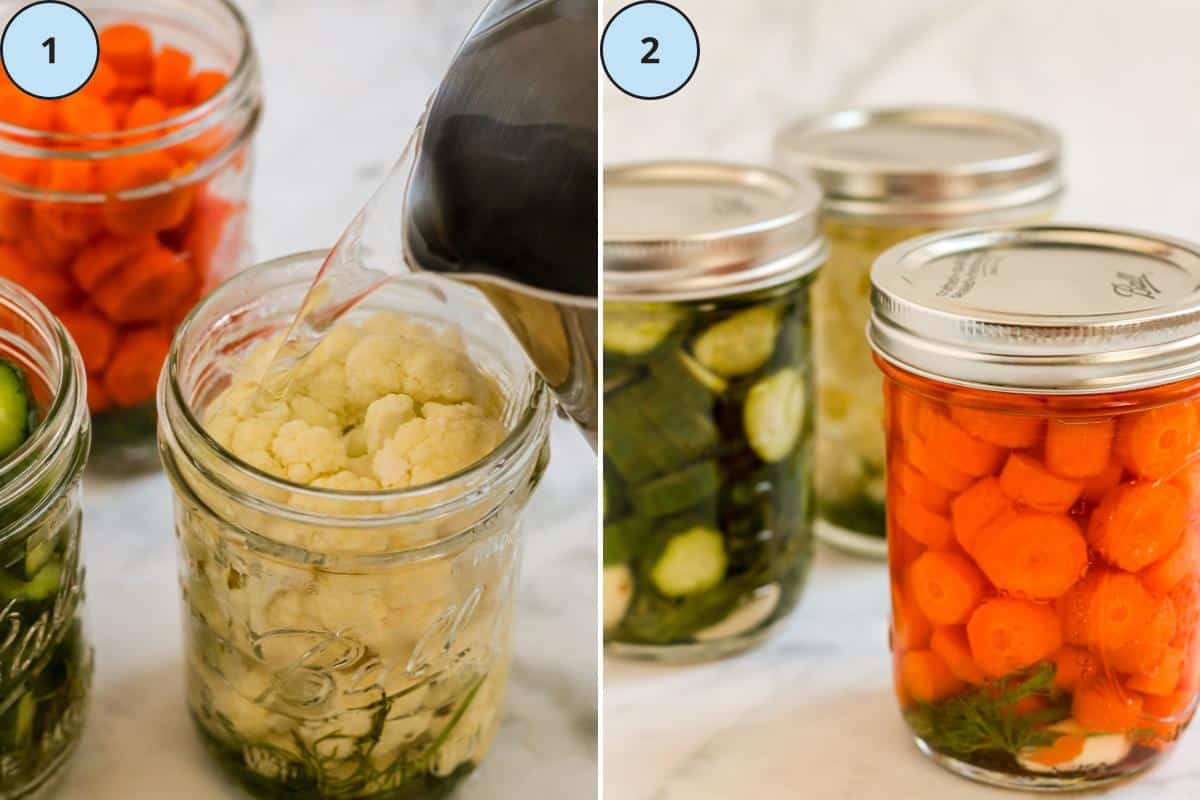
(650, 58)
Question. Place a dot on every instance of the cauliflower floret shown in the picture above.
(384, 416)
(307, 452)
(381, 365)
(423, 450)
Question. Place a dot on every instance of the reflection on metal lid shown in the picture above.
(1055, 309)
(683, 230)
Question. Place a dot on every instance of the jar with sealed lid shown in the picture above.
(890, 175)
(123, 204)
(707, 405)
(1042, 392)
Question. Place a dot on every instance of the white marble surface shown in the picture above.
(812, 714)
(344, 84)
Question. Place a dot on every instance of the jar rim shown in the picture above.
(26, 466)
(519, 446)
(240, 93)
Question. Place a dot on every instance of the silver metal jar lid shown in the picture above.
(1053, 309)
(927, 164)
(686, 230)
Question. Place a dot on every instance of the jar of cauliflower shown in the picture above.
(889, 175)
(349, 553)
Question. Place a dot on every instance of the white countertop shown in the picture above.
(344, 84)
(812, 713)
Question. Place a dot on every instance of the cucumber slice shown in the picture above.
(677, 491)
(688, 378)
(618, 594)
(37, 555)
(635, 329)
(710, 380)
(774, 414)
(18, 722)
(45, 583)
(621, 537)
(740, 344)
(14, 408)
(692, 562)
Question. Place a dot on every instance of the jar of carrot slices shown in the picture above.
(1043, 418)
(890, 175)
(123, 203)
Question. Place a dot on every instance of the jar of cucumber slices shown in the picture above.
(45, 658)
(889, 175)
(708, 420)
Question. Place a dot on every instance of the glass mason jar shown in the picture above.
(891, 175)
(1043, 407)
(707, 406)
(122, 205)
(45, 658)
(345, 644)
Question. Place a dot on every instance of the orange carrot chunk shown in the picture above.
(47, 285)
(1149, 645)
(1008, 634)
(946, 586)
(1138, 523)
(951, 644)
(1106, 610)
(1033, 555)
(145, 112)
(924, 491)
(910, 629)
(1063, 749)
(128, 48)
(1104, 707)
(96, 262)
(172, 77)
(132, 375)
(68, 222)
(166, 208)
(1171, 707)
(975, 509)
(85, 115)
(1073, 666)
(927, 461)
(148, 290)
(931, 529)
(206, 84)
(1100, 484)
(1079, 449)
(955, 447)
(927, 677)
(93, 334)
(1014, 431)
(1162, 678)
(1156, 444)
(97, 395)
(1030, 484)
(1165, 574)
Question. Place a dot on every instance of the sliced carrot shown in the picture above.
(1079, 449)
(927, 677)
(1186, 598)
(1161, 679)
(1072, 666)
(172, 77)
(206, 84)
(1106, 610)
(926, 460)
(42, 248)
(1138, 523)
(108, 254)
(14, 216)
(951, 644)
(129, 48)
(1008, 634)
(148, 290)
(910, 629)
(52, 288)
(1011, 430)
(1104, 707)
(97, 395)
(927, 527)
(1033, 554)
(946, 586)
(66, 220)
(1030, 484)
(165, 209)
(93, 334)
(1097, 486)
(132, 375)
(103, 83)
(1165, 574)
(924, 491)
(975, 509)
(27, 112)
(145, 112)
(1156, 444)
(1149, 644)
(1066, 747)
(955, 447)
(85, 115)
(1171, 707)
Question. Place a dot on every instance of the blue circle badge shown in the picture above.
(650, 50)
(50, 49)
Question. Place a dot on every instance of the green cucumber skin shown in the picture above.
(17, 415)
(763, 511)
